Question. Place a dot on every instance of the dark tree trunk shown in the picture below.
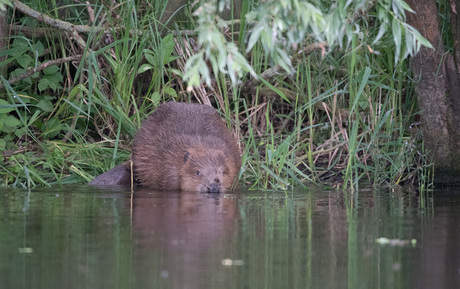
(438, 92)
(454, 72)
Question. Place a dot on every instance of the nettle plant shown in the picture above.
(31, 94)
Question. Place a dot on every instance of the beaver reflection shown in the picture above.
(180, 235)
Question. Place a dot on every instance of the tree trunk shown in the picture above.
(438, 92)
(454, 72)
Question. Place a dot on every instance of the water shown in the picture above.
(83, 237)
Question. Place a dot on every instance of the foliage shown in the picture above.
(157, 59)
(4, 4)
(223, 55)
(71, 103)
(279, 25)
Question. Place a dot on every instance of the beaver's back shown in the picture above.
(186, 118)
(173, 130)
(179, 125)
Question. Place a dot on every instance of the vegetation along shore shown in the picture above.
(316, 92)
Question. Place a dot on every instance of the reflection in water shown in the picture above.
(438, 258)
(87, 238)
(180, 236)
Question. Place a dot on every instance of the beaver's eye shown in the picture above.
(197, 173)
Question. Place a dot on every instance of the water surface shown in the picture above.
(84, 237)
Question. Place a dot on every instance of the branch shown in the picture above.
(35, 31)
(63, 25)
(71, 29)
(41, 67)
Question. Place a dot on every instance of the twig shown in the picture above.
(33, 70)
(35, 31)
(62, 25)
(71, 29)
(90, 12)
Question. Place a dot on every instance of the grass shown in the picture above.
(341, 120)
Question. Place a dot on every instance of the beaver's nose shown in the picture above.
(213, 188)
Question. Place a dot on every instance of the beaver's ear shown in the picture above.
(186, 156)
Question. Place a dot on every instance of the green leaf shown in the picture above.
(167, 46)
(397, 8)
(14, 52)
(406, 7)
(144, 68)
(255, 35)
(43, 84)
(17, 72)
(11, 121)
(194, 80)
(33, 76)
(25, 61)
(77, 108)
(34, 117)
(51, 70)
(55, 78)
(176, 72)
(20, 132)
(382, 13)
(382, 29)
(279, 92)
(363, 104)
(6, 129)
(20, 46)
(150, 58)
(39, 49)
(5, 2)
(51, 81)
(5, 107)
(419, 36)
(156, 97)
(396, 27)
(169, 59)
(170, 91)
(53, 128)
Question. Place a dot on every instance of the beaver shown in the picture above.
(118, 176)
(187, 147)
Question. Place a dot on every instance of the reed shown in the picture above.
(341, 119)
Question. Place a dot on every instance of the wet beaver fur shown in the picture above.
(185, 147)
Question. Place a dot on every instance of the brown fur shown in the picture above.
(185, 147)
(118, 176)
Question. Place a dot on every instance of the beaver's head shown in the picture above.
(205, 170)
